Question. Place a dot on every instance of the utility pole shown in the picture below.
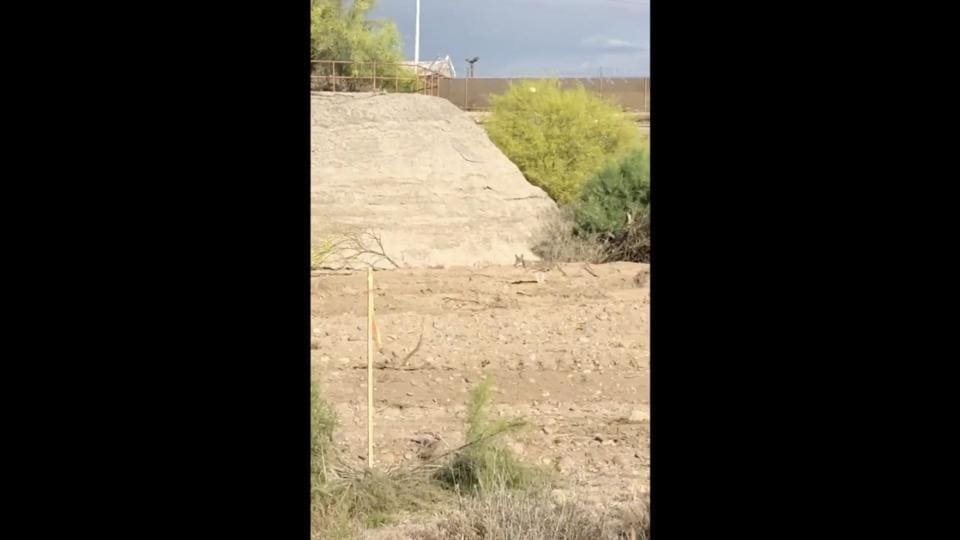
(416, 41)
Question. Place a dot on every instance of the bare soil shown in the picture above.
(570, 354)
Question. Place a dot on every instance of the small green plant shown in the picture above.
(323, 421)
(325, 521)
(558, 137)
(320, 253)
(483, 465)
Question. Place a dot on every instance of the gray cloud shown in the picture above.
(530, 37)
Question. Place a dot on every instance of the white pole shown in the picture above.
(370, 323)
(416, 41)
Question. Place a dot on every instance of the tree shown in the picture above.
(343, 32)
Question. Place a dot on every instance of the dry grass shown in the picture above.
(634, 243)
(512, 515)
(370, 499)
(555, 241)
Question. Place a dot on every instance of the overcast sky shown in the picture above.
(518, 38)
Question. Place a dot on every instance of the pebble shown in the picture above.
(566, 464)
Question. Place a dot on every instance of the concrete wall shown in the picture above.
(474, 94)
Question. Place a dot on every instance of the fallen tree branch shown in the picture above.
(351, 246)
(417, 348)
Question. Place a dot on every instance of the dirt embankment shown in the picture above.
(422, 174)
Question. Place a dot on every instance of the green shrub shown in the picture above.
(558, 137)
(614, 207)
(613, 193)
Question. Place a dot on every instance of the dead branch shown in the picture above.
(417, 348)
(351, 246)
(507, 428)
(464, 300)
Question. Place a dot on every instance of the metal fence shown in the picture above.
(631, 93)
(348, 76)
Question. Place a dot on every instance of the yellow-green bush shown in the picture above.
(558, 137)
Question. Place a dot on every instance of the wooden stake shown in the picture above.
(369, 368)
